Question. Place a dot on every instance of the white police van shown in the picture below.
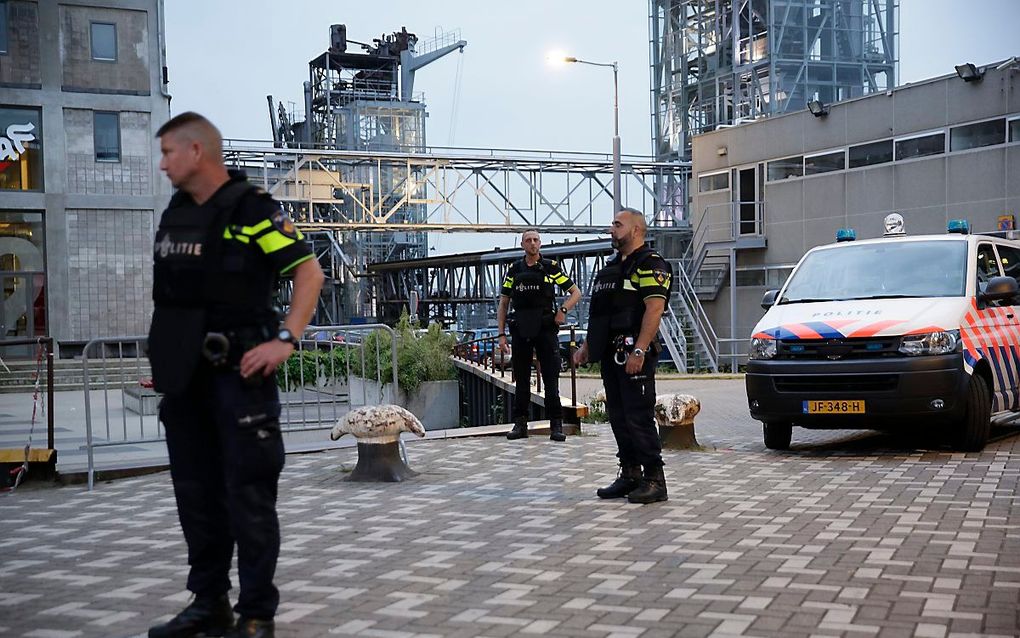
(889, 332)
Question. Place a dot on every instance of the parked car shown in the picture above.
(478, 350)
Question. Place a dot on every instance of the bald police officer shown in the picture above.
(214, 345)
(628, 298)
(530, 285)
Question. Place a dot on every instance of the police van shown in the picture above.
(890, 332)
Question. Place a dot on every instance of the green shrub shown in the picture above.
(596, 411)
(420, 358)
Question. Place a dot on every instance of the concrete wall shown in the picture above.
(130, 176)
(20, 65)
(129, 74)
(98, 216)
(805, 211)
(110, 269)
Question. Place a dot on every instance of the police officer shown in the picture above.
(530, 286)
(628, 298)
(214, 344)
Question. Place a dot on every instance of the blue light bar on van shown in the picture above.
(846, 234)
(959, 226)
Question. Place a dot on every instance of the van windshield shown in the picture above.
(881, 271)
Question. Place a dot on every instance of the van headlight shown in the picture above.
(941, 342)
(762, 348)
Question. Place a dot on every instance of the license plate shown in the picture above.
(853, 406)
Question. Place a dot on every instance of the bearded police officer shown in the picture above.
(530, 285)
(628, 298)
(214, 344)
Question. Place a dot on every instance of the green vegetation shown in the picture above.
(420, 357)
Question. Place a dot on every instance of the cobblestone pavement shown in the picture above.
(849, 534)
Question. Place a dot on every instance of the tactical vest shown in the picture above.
(188, 279)
(532, 297)
(617, 307)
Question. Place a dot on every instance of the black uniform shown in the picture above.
(617, 308)
(215, 270)
(533, 331)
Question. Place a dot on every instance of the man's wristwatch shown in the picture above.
(638, 352)
(563, 309)
(286, 335)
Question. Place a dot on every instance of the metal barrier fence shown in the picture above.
(314, 384)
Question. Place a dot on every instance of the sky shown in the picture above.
(508, 96)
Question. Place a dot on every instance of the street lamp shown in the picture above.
(616, 119)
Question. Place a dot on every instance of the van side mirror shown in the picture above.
(769, 298)
(999, 289)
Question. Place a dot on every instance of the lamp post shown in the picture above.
(616, 125)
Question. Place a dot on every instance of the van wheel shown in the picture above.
(777, 435)
(972, 431)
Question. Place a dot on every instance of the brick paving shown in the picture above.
(849, 534)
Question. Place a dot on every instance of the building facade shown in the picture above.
(766, 192)
(82, 93)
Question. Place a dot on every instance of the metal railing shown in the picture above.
(314, 382)
(478, 351)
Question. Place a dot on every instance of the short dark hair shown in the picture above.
(530, 230)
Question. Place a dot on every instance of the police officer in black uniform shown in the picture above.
(628, 298)
(214, 344)
(530, 284)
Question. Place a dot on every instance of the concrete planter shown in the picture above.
(435, 403)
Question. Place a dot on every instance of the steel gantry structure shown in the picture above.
(344, 199)
(720, 62)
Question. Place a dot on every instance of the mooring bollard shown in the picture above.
(378, 428)
(674, 414)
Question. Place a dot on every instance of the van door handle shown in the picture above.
(1009, 315)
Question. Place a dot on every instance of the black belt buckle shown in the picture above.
(216, 349)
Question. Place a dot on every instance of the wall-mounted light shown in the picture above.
(722, 150)
(818, 108)
(969, 73)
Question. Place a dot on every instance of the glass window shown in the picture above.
(977, 135)
(718, 181)
(987, 265)
(826, 163)
(776, 277)
(873, 153)
(1009, 257)
(21, 149)
(786, 168)
(881, 270)
(3, 27)
(104, 41)
(22, 274)
(1014, 131)
(106, 133)
(921, 146)
(754, 277)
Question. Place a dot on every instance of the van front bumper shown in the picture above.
(895, 391)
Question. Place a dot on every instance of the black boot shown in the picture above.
(652, 488)
(626, 481)
(520, 430)
(251, 628)
(556, 430)
(203, 617)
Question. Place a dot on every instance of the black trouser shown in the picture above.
(630, 405)
(226, 454)
(546, 347)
